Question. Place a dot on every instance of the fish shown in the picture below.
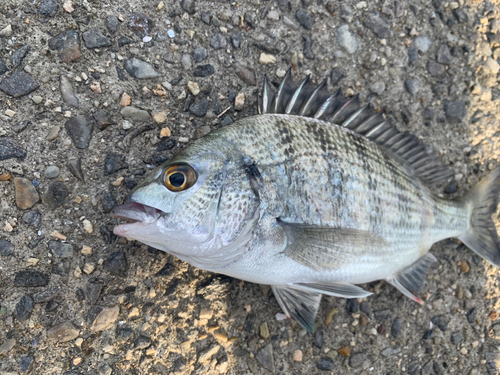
(314, 195)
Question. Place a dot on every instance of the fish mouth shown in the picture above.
(138, 216)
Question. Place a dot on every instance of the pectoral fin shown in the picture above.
(343, 290)
(299, 304)
(323, 248)
(412, 277)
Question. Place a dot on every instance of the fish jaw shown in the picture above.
(145, 220)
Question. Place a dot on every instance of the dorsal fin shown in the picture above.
(310, 101)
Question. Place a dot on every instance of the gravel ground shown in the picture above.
(94, 94)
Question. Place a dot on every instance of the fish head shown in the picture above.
(199, 205)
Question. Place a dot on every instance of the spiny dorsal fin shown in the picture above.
(310, 101)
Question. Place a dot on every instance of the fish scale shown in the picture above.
(313, 196)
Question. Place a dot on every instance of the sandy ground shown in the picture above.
(74, 299)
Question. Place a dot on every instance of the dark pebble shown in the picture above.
(176, 81)
(33, 218)
(240, 352)
(444, 55)
(25, 363)
(113, 163)
(67, 44)
(325, 364)
(454, 111)
(123, 334)
(18, 56)
(80, 130)
(102, 119)
(18, 84)
(236, 40)
(305, 18)
(456, 338)
(365, 308)
(47, 295)
(31, 278)
(336, 76)
(412, 86)
(308, 43)
(435, 69)
(189, 6)
(248, 326)
(24, 308)
(471, 315)
(142, 342)
(158, 159)
(406, 115)
(94, 39)
(218, 41)
(412, 56)
(357, 358)
(34, 243)
(206, 17)
(61, 268)
(319, 337)
(6, 248)
(61, 249)
(203, 70)
(382, 329)
(461, 16)
(245, 73)
(269, 48)
(47, 8)
(93, 291)
(51, 306)
(130, 183)
(112, 23)
(382, 314)
(379, 25)
(21, 125)
(116, 264)
(10, 149)
(75, 167)
(413, 369)
(428, 113)
(3, 67)
(199, 109)
(437, 369)
(123, 41)
(396, 327)
(171, 287)
(166, 270)
(165, 145)
(441, 322)
(352, 306)
(199, 54)
(248, 18)
(107, 235)
(451, 188)
(427, 335)
(140, 24)
(226, 120)
(56, 195)
(108, 202)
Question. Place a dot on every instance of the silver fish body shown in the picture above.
(307, 206)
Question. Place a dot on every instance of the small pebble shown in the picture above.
(51, 172)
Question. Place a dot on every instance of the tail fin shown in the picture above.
(482, 236)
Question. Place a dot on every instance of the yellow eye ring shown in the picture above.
(180, 177)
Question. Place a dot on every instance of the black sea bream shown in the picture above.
(312, 196)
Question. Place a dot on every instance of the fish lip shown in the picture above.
(136, 212)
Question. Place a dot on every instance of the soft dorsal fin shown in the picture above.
(310, 101)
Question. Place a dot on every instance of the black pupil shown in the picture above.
(177, 179)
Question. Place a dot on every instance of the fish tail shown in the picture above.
(482, 236)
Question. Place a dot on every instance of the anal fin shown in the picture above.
(300, 304)
(412, 277)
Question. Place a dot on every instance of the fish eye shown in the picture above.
(180, 177)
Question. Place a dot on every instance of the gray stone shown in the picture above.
(305, 18)
(52, 171)
(456, 338)
(47, 8)
(265, 357)
(6, 248)
(135, 115)
(67, 92)
(382, 314)
(100, 318)
(391, 350)
(47, 295)
(18, 84)
(61, 249)
(56, 195)
(435, 69)
(236, 40)
(94, 39)
(25, 363)
(308, 43)
(427, 368)
(31, 279)
(218, 41)
(444, 55)
(200, 54)
(3, 67)
(186, 61)
(67, 44)
(336, 76)
(93, 291)
(396, 327)
(412, 86)
(455, 111)
(123, 334)
(24, 308)
(102, 119)
(379, 25)
(75, 167)
(18, 56)
(347, 39)
(412, 56)
(10, 149)
(189, 6)
(140, 69)
(63, 332)
(422, 43)
(108, 201)
(113, 163)
(33, 218)
(204, 70)
(377, 87)
(21, 125)
(325, 364)
(206, 17)
(116, 264)
(346, 12)
(357, 358)
(112, 23)
(142, 342)
(80, 130)
(140, 24)
(199, 109)
(245, 73)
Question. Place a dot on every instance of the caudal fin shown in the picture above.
(482, 236)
